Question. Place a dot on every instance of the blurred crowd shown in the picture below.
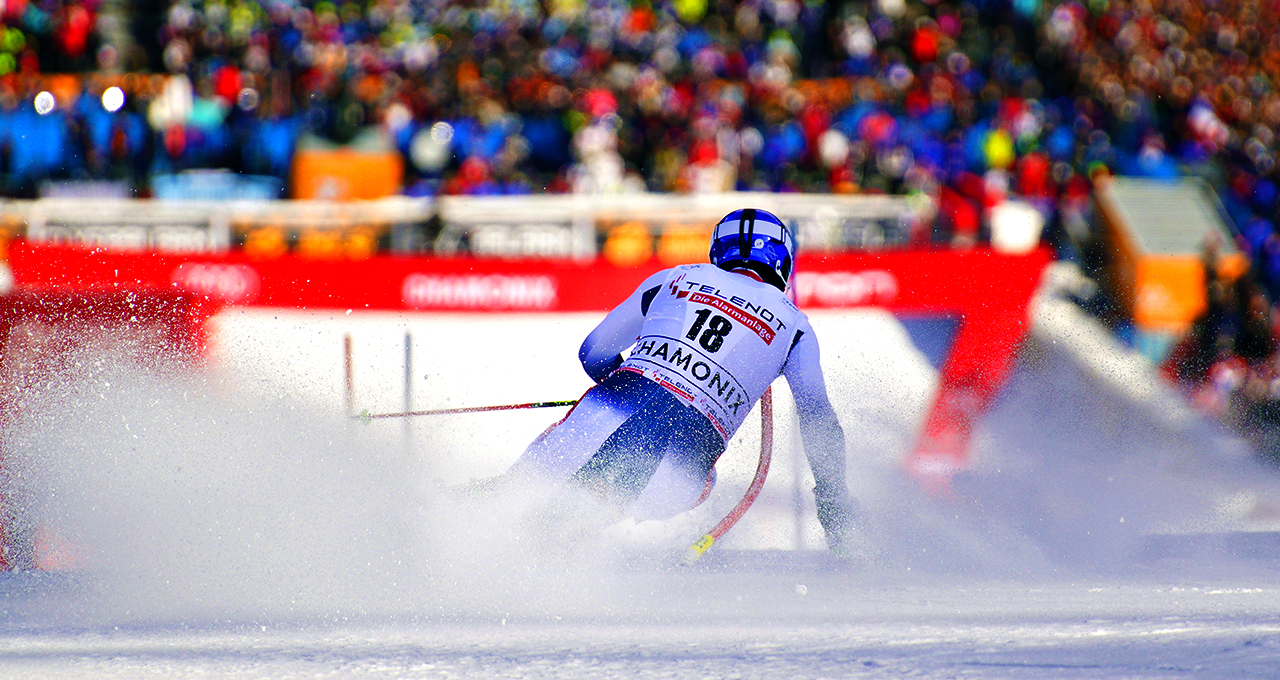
(1185, 86)
(967, 101)
(964, 101)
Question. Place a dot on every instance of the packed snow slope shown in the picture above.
(235, 522)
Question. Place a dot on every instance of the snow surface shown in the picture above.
(735, 623)
(233, 523)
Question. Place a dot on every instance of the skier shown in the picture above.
(706, 341)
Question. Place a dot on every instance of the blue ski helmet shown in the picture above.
(756, 240)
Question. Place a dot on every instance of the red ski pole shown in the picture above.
(762, 470)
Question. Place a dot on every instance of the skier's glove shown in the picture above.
(841, 519)
(600, 371)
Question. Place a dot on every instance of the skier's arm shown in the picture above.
(823, 439)
(600, 353)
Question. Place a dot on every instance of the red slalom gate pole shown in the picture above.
(366, 416)
(762, 470)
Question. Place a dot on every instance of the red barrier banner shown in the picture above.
(989, 292)
(900, 280)
(382, 282)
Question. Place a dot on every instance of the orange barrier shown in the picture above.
(1169, 290)
(345, 175)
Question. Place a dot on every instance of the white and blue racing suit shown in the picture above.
(705, 345)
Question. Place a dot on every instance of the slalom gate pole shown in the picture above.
(366, 416)
(762, 470)
(348, 379)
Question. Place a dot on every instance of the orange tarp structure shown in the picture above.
(345, 175)
(1169, 290)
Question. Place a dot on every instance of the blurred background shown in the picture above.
(957, 163)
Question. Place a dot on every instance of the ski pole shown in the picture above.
(762, 470)
(366, 416)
